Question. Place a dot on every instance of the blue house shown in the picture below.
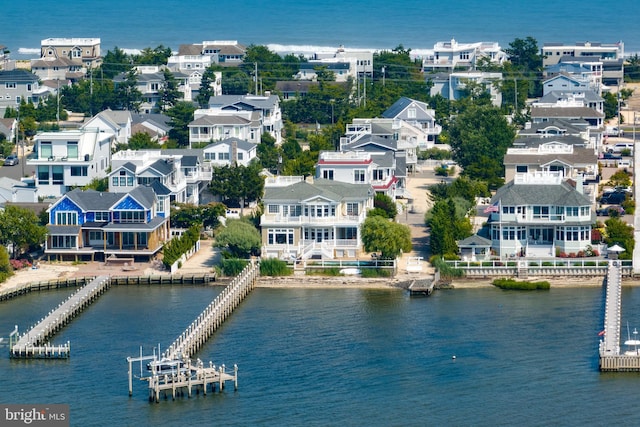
(96, 225)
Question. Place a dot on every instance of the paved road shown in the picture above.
(17, 171)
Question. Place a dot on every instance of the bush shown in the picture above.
(233, 266)
(177, 246)
(19, 264)
(274, 267)
(510, 284)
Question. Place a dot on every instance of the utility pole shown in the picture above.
(256, 75)
(383, 72)
(364, 86)
(515, 107)
(58, 107)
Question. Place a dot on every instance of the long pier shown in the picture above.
(34, 344)
(174, 371)
(611, 359)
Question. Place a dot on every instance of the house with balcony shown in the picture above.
(450, 55)
(244, 117)
(421, 120)
(172, 180)
(610, 54)
(230, 152)
(569, 75)
(86, 50)
(15, 86)
(537, 214)
(556, 128)
(150, 81)
(99, 225)
(456, 85)
(199, 56)
(319, 219)
(68, 159)
(569, 156)
(360, 167)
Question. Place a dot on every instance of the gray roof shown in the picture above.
(244, 102)
(197, 153)
(91, 200)
(144, 195)
(160, 120)
(400, 105)
(242, 144)
(160, 189)
(536, 140)
(566, 126)
(565, 112)
(189, 161)
(557, 95)
(580, 156)
(63, 230)
(372, 143)
(332, 190)
(563, 194)
(161, 166)
(474, 240)
(18, 76)
(220, 120)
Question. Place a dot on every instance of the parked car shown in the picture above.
(611, 156)
(12, 160)
(615, 197)
(610, 211)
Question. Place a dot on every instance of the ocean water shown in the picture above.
(305, 27)
(348, 357)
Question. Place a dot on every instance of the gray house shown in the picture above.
(16, 86)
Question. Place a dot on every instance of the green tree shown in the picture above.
(5, 265)
(114, 63)
(185, 215)
(479, 138)
(525, 54)
(156, 56)
(127, 94)
(382, 235)
(621, 233)
(168, 91)
(442, 224)
(19, 227)
(386, 204)
(206, 86)
(181, 115)
(141, 141)
(268, 153)
(239, 238)
(237, 185)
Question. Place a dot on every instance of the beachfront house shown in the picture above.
(97, 225)
(199, 56)
(68, 159)
(450, 55)
(320, 219)
(611, 55)
(539, 215)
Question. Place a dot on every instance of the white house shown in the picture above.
(611, 55)
(199, 56)
(152, 168)
(359, 167)
(229, 152)
(321, 218)
(449, 55)
(537, 214)
(415, 120)
(67, 159)
(455, 85)
(116, 123)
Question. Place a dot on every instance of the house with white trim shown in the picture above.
(449, 55)
(537, 214)
(15, 86)
(230, 152)
(116, 123)
(322, 218)
(97, 225)
(611, 55)
(68, 159)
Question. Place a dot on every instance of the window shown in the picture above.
(160, 205)
(57, 172)
(522, 169)
(411, 113)
(274, 209)
(327, 174)
(508, 209)
(132, 216)
(114, 181)
(72, 149)
(154, 86)
(45, 150)
(95, 235)
(102, 216)
(280, 236)
(352, 209)
(43, 175)
(79, 170)
(358, 175)
(63, 242)
(223, 156)
(66, 218)
(378, 174)
(10, 85)
(240, 156)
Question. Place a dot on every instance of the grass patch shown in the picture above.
(274, 267)
(511, 284)
(330, 271)
(231, 267)
(375, 272)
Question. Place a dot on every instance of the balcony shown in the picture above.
(268, 219)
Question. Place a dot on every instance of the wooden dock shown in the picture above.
(188, 375)
(421, 287)
(34, 343)
(611, 358)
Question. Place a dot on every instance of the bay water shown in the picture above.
(348, 357)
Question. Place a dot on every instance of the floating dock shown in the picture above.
(174, 372)
(34, 343)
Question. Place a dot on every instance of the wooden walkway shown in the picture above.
(184, 374)
(34, 343)
(611, 359)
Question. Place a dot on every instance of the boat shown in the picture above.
(350, 271)
(632, 344)
(166, 367)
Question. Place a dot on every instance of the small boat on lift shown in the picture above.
(166, 367)
(632, 344)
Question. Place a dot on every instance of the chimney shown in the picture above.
(580, 184)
